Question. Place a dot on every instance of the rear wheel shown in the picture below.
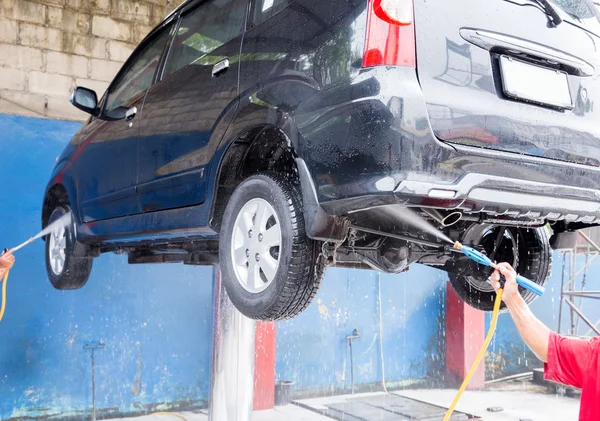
(526, 249)
(64, 270)
(270, 268)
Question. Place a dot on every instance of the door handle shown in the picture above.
(131, 113)
(220, 68)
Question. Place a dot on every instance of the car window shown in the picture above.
(580, 9)
(264, 9)
(205, 29)
(137, 76)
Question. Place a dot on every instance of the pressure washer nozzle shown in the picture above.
(482, 259)
(19, 247)
(458, 246)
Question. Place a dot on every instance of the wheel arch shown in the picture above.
(62, 193)
(56, 194)
(256, 149)
(269, 148)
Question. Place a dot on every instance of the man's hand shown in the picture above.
(7, 260)
(511, 288)
(534, 333)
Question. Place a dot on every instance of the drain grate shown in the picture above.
(389, 408)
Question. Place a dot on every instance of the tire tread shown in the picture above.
(301, 286)
(77, 269)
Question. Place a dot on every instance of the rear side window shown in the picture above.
(205, 29)
(264, 9)
(138, 74)
(580, 9)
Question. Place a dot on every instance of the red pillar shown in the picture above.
(264, 365)
(465, 333)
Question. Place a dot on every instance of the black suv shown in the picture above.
(279, 137)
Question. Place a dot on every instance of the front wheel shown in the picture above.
(270, 268)
(64, 270)
(526, 249)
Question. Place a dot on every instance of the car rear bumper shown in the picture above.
(505, 196)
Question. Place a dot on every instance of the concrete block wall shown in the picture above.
(49, 46)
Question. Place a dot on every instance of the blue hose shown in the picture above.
(484, 260)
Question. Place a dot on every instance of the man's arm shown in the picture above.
(535, 334)
(566, 359)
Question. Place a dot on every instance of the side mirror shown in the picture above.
(86, 100)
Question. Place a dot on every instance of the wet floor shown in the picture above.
(515, 401)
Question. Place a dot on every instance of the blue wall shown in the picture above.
(155, 320)
(312, 350)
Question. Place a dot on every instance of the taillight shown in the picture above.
(390, 34)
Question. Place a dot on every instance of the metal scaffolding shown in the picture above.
(572, 295)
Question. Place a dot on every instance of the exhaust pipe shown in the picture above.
(444, 220)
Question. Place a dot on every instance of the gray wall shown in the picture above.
(49, 46)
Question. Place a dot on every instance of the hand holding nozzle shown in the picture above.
(505, 277)
(484, 260)
(7, 260)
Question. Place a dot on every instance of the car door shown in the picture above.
(107, 158)
(185, 114)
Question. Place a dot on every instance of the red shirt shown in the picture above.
(576, 362)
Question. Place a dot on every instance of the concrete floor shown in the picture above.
(518, 403)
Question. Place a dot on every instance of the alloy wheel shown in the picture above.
(255, 246)
(57, 249)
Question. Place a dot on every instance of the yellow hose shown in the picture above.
(486, 343)
(3, 307)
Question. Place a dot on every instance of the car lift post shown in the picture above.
(232, 359)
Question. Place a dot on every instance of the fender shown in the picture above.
(251, 115)
(62, 176)
(258, 107)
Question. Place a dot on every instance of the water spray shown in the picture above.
(62, 222)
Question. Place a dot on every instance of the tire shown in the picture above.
(260, 204)
(74, 272)
(533, 260)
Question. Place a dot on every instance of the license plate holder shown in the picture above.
(531, 83)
